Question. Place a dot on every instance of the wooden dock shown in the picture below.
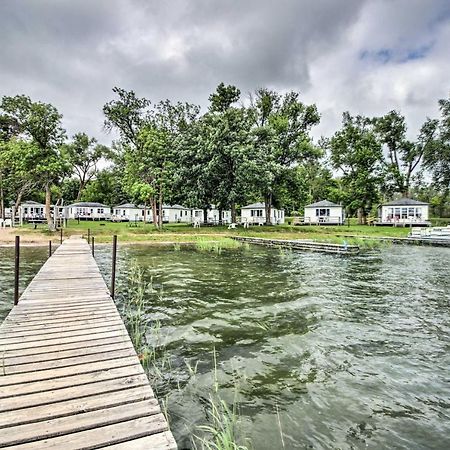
(69, 375)
(297, 244)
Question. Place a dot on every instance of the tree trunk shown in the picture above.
(80, 190)
(48, 215)
(154, 211)
(268, 208)
(205, 215)
(233, 212)
(220, 216)
(145, 213)
(19, 198)
(362, 217)
(160, 218)
(2, 198)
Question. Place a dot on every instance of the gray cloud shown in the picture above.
(365, 56)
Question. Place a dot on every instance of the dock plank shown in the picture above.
(70, 377)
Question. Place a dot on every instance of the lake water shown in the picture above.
(321, 351)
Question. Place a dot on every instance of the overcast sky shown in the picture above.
(367, 57)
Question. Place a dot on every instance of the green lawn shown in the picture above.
(103, 232)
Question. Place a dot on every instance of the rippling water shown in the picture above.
(31, 260)
(337, 352)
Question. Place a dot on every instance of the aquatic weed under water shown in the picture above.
(221, 431)
(217, 245)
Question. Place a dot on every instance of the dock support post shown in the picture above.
(49, 248)
(113, 272)
(16, 270)
(89, 235)
(60, 235)
(93, 243)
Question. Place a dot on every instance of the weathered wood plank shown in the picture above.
(22, 378)
(160, 441)
(62, 394)
(102, 436)
(84, 421)
(83, 358)
(78, 405)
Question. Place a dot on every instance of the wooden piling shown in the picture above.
(113, 269)
(16, 269)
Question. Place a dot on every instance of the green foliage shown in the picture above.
(83, 154)
(356, 152)
(437, 156)
(281, 140)
(106, 188)
(40, 123)
(404, 156)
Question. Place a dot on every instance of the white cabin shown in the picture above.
(129, 212)
(403, 212)
(214, 215)
(255, 214)
(324, 213)
(30, 210)
(88, 211)
(176, 214)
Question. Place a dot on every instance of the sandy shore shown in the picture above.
(8, 235)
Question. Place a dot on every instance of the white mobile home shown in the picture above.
(88, 211)
(324, 213)
(255, 214)
(31, 211)
(403, 212)
(129, 212)
(176, 214)
(215, 217)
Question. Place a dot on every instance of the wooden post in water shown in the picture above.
(93, 243)
(16, 270)
(113, 271)
(89, 235)
(49, 248)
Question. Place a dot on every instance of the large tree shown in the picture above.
(437, 155)
(41, 124)
(356, 152)
(83, 155)
(281, 138)
(403, 155)
(129, 115)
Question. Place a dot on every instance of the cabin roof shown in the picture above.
(404, 202)
(258, 205)
(89, 205)
(31, 202)
(323, 203)
(174, 207)
(128, 206)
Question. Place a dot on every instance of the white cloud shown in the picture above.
(367, 57)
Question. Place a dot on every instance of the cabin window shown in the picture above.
(323, 212)
(397, 213)
(419, 213)
(404, 213)
(256, 212)
(411, 212)
(390, 213)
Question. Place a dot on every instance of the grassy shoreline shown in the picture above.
(186, 234)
